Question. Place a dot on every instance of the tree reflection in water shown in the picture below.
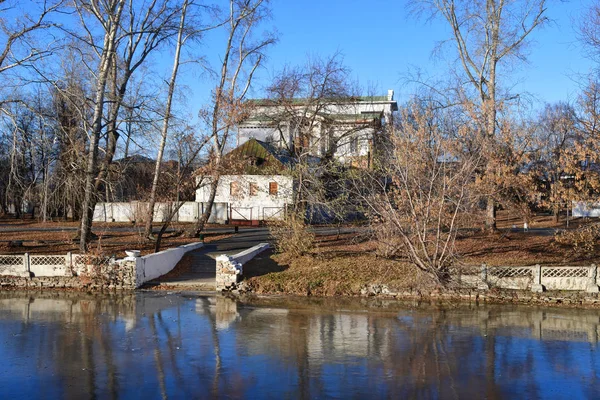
(164, 346)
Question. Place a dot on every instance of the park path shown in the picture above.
(202, 271)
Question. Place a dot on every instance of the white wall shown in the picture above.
(119, 212)
(586, 209)
(259, 207)
(135, 211)
(155, 265)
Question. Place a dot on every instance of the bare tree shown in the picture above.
(147, 27)
(589, 30)
(316, 112)
(186, 182)
(556, 138)
(241, 58)
(22, 45)
(184, 33)
(424, 194)
(108, 15)
(132, 31)
(16, 45)
(488, 35)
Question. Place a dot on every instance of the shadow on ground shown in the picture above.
(261, 265)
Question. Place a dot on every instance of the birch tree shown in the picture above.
(148, 25)
(184, 33)
(242, 56)
(108, 14)
(132, 31)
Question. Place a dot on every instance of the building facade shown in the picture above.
(278, 134)
(346, 128)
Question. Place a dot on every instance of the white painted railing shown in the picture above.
(28, 265)
(536, 278)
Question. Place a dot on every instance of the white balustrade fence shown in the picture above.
(536, 278)
(29, 265)
(130, 272)
(14, 265)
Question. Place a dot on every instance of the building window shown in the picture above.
(273, 188)
(234, 189)
(327, 142)
(253, 189)
(354, 145)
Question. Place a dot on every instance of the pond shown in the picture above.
(155, 345)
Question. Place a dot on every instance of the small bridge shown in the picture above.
(197, 269)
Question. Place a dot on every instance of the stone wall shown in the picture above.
(118, 275)
(230, 268)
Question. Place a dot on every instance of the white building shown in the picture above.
(260, 186)
(251, 198)
(345, 129)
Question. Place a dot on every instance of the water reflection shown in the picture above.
(152, 345)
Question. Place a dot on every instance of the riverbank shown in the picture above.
(348, 266)
(375, 295)
(381, 294)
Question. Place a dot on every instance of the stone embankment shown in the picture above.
(494, 296)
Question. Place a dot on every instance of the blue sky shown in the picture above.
(381, 42)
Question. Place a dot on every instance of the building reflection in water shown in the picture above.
(164, 346)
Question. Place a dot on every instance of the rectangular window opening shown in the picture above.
(233, 189)
(253, 189)
(273, 188)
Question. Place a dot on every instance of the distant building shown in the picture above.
(259, 187)
(278, 133)
(346, 128)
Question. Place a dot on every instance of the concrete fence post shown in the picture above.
(26, 265)
(536, 285)
(483, 285)
(592, 286)
(69, 264)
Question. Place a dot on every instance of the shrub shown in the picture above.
(292, 236)
(389, 243)
(582, 240)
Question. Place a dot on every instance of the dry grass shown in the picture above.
(344, 264)
(518, 248)
(339, 266)
(309, 275)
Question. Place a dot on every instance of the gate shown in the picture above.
(273, 213)
(241, 214)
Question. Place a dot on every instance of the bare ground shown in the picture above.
(109, 242)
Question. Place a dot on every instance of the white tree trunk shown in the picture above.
(165, 127)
